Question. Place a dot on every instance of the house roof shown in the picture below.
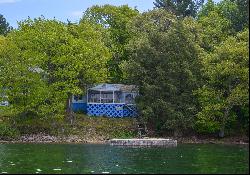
(115, 87)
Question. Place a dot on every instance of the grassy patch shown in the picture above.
(86, 127)
(106, 128)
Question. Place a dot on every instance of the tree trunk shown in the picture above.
(222, 132)
(222, 129)
(69, 112)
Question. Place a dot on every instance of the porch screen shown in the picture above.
(106, 97)
(93, 96)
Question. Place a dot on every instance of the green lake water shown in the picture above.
(91, 158)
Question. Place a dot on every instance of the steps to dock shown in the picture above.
(144, 142)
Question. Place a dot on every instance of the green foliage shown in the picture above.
(191, 69)
(227, 86)
(115, 20)
(163, 62)
(44, 61)
(92, 128)
(181, 8)
(221, 20)
(237, 12)
(212, 34)
(4, 26)
(7, 132)
(35, 125)
(124, 134)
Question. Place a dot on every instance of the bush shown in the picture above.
(7, 132)
(124, 134)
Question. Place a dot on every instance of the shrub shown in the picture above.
(7, 132)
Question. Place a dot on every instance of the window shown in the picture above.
(78, 98)
(106, 97)
(93, 96)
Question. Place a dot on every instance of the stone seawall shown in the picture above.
(143, 142)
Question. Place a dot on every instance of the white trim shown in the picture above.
(113, 103)
(107, 103)
(113, 96)
(79, 101)
(100, 97)
(87, 96)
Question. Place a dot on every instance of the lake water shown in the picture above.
(91, 158)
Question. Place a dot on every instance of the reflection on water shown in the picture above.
(88, 158)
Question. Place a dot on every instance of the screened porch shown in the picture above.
(110, 97)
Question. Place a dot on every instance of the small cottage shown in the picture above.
(110, 100)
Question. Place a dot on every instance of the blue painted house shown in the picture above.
(110, 100)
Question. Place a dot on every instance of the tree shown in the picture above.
(47, 62)
(215, 27)
(221, 20)
(163, 63)
(243, 6)
(227, 85)
(4, 26)
(236, 11)
(115, 21)
(180, 8)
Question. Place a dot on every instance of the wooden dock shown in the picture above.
(144, 142)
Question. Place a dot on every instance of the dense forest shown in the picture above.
(190, 60)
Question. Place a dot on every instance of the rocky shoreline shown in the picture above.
(230, 141)
(75, 139)
(44, 138)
